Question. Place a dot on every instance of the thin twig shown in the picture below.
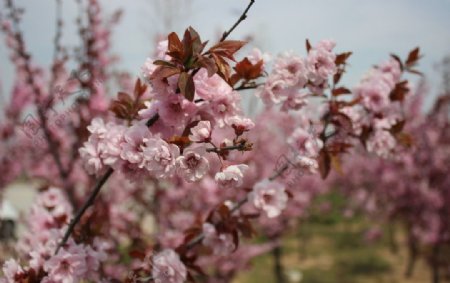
(241, 18)
(225, 148)
(90, 200)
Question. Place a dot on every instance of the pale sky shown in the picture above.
(371, 29)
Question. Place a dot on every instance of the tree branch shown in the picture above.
(241, 18)
(225, 148)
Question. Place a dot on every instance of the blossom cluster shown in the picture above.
(74, 262)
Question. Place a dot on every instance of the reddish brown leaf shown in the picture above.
(175, 46)
(398, 127)
(125, 98)
(404, 139)
(139, 89)
(340, 91)
(223, 67)
(416, 72)
(186, 85)
(413, 57)
(181, 141)
(337, 77)
(308, 46)
(338, 147)
(342, 121)
(209, 64)
(324, 163)
(197, 44)
(336, 164)
(120, 110)
(342, 58)
(163, 63)
(400, 91)
(227, 48)
(397, 58)
(163, 72)
(247, 70)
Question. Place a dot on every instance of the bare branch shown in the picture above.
(241, 18)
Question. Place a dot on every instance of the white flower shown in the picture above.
(232, 176)
(270, 197)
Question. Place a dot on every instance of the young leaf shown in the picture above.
(308, 46)
(247, 70)
(186, 85)
(396, 58)
(163, 72)
(413, 57)
(227, 48)
(342, 58)
(399, 92)
(324, 163)
(209, 64)
(340, 91)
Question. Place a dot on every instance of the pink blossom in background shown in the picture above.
(270, 197)
(167, 268)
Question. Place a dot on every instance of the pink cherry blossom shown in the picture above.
(160, 157)
(207, 87)
(381, 143)
(12, 270)
(220, 243)
(67, 266)
(269, 196)
(374, 94)
(201, 132)
(305, 143)
(320, 62)
(168, 268)
(192, 166)
(239, 123)
(232, 176)
(286, 79)
(133, 144)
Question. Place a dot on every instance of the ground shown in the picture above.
(329, 248)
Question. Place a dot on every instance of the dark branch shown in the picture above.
(241, 146)
(241, 18)
(89, 202)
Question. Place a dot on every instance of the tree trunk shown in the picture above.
(277, 253)
(412, 247)
(435, 265)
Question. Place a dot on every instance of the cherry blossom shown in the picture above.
(232, 176)
(167, 268)
(201, 132)
(270, 197)
(192, 165)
